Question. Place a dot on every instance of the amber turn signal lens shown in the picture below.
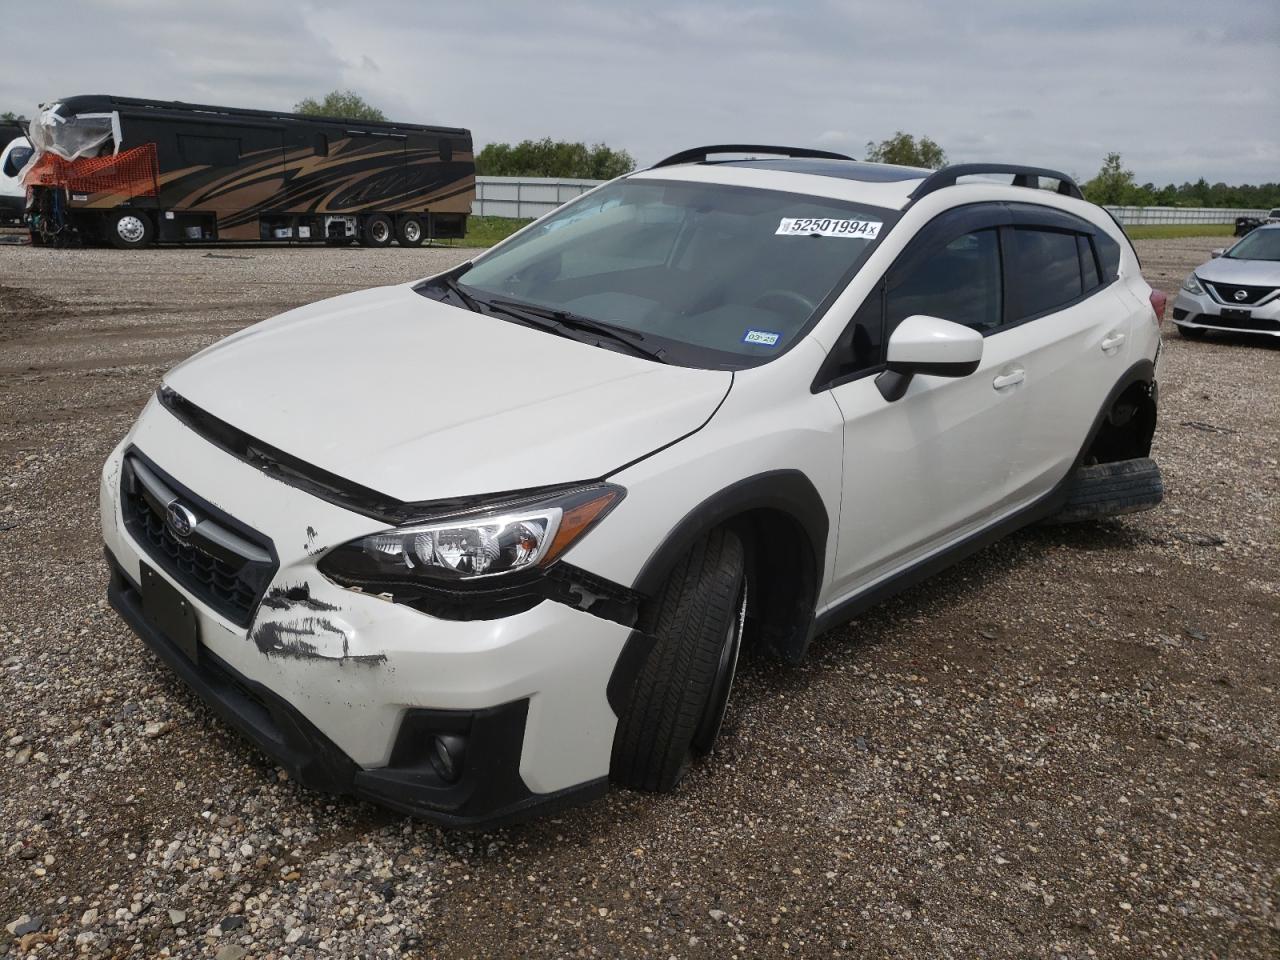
(577, 520)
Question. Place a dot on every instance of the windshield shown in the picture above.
(1258, 245)
(713, 275)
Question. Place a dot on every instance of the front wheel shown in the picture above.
(130, 230)
(682, 692)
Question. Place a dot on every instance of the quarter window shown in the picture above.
(1043, 272)
(959, 282)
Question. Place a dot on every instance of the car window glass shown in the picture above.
(1088, 266)
(959, 282)
(1043, 272)
(1108, 256)
(1259, 245)
(713, 273)
(16, 160)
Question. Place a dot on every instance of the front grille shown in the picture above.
(220, 561)
(1226, 293)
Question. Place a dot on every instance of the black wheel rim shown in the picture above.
(718, 702)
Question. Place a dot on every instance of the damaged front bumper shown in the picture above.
(352, 693)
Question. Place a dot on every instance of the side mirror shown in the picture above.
(931, 346)
(1215, 254)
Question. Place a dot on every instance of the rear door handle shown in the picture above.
(1112, 341)
(1007, 380)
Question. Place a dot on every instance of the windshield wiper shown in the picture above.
(554, 320)
(451, 284)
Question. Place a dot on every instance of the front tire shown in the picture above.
(130, 229)
(681, 694)
(1191, 333)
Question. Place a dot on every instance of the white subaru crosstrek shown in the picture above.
(473, 546)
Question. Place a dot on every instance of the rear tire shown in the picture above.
(378, 231)
(130, 229)
(410, 233)
(680, 696)
(1191, 333)
(1111, 490)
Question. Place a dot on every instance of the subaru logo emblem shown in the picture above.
(1241, 295)
(180, 520)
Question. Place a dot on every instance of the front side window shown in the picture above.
(713, 275)
(959, 282)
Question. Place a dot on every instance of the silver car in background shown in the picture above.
(1237, 291)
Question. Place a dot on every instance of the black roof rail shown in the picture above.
(700, 154)
(1022, 177)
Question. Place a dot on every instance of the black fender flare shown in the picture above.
(789, 492)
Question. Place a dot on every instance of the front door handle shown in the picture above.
(1010, 379)
(1111, 341)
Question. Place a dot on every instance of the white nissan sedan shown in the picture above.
(472, 547)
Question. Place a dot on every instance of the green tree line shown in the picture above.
(553, 158)
(1116, 186)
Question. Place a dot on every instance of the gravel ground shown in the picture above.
(1064, 747)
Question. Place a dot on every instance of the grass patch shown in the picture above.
(1170, 231)
(486, 231)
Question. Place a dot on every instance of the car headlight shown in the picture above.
(495, 543)
(1192, 284)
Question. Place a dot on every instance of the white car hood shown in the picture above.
(420, 400)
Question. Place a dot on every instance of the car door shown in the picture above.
(932, 466)
(1070, 325)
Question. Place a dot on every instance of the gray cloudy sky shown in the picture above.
(1182, 89)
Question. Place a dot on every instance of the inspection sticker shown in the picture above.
(827, 227)
(765, 338)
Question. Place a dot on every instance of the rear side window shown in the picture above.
(959, 282)
(1043, 273)
(1108, 255)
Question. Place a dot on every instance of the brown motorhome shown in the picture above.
(132, 172)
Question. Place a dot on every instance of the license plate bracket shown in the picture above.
(170, 612)
(1233, 313)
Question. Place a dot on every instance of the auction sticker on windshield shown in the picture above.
(828, 227)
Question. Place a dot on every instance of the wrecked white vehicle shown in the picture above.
(474, 546)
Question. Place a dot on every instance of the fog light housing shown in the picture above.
(448, 751)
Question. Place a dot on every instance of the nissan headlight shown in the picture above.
(1192, 285)
(484, 544)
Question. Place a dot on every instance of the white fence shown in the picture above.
(1134, 216)
(527, 198)
(524, 198)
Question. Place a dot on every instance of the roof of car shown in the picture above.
(823, 173)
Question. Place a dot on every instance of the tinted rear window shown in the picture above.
(1043, 273)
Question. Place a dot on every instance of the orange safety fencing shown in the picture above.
(131, 172)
